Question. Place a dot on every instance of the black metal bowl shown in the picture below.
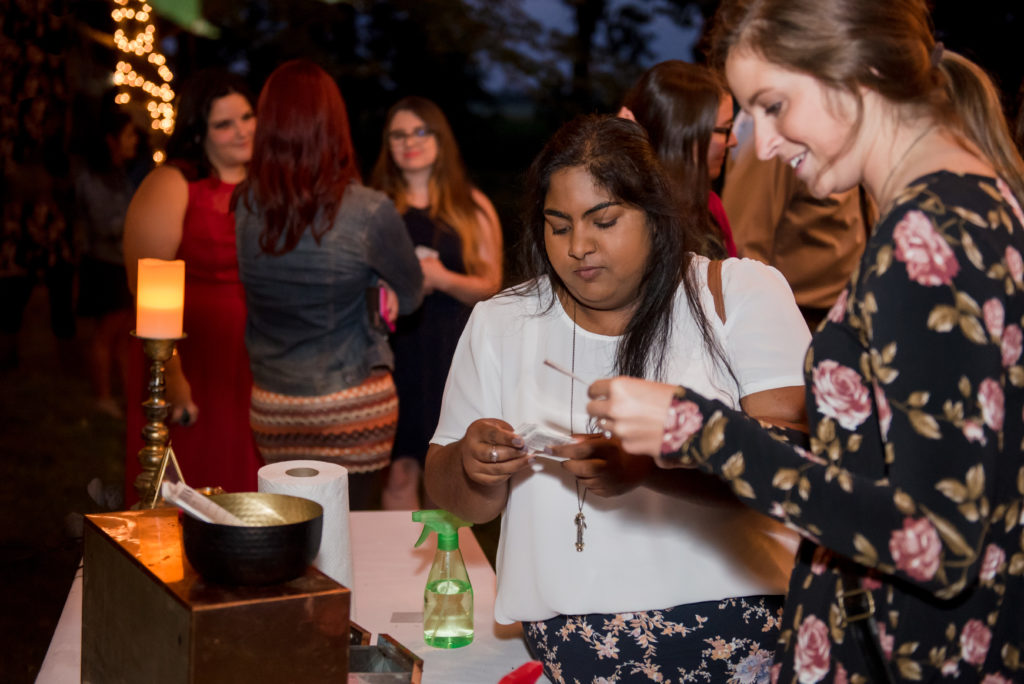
(281, 538)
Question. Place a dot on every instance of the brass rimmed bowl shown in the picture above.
(279, 541)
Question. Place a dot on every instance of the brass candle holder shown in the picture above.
(155, 453)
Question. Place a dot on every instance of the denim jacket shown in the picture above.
(308, 330)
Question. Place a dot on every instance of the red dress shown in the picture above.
(218, 450)
(717, 210)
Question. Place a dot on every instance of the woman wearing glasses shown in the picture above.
(458, 239)
(688, 115)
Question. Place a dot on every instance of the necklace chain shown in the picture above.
(899, 163)
(572, 367)
(581, 493)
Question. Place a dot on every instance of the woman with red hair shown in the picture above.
(312, 241)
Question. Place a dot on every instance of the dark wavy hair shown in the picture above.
(302, 158)
(185, 149)
(677, 104)
(617, 155)
(887, 47)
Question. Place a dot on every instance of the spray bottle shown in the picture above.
(448, 598)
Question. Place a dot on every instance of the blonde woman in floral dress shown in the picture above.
(910, 497)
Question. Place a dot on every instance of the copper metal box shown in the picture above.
(148, 617)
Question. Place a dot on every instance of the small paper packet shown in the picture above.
(424, 252)
(538, 440)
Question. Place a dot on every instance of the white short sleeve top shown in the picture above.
(643, 550)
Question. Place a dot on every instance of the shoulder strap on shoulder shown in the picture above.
(715, 285)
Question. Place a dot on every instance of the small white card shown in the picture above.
(538, 440)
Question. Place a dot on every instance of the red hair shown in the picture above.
(302, 158)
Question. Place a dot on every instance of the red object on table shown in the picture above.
(524, 674)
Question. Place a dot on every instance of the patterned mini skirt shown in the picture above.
(731, 641)
(354, 428)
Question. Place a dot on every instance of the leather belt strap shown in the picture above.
(856, 614)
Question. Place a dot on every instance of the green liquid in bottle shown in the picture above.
(448, 613)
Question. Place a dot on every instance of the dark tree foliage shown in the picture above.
(379, 51)
(988, 33)
(505, 81)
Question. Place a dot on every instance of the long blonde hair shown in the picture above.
(885, 46)
(449, 191)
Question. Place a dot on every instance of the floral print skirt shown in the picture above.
(731, 641)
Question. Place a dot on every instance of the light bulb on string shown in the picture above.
(142, 67)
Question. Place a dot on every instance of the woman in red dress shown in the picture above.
(181, 211)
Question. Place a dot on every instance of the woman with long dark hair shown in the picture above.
(311, 242)
(594, 541)
(910, 494)
(181, 211)
(687, 112)
(456, 231)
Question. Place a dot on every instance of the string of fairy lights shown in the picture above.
(142, 74)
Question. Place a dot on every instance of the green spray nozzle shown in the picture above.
(444, 523)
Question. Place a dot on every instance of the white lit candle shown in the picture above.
(160, 302)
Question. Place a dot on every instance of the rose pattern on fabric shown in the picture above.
(995, 679)
(754, 669)
(681, 423)
(841, 394)
(974, 432)
(994, 559)
(929, 260)
(1007, 194)
(1013, 341)
(916, 548)
(838, 311)
(1014, 264)
(725, 641)
(807, 455)
(920, 496)
(994, 315)
(871, 583)
(990, 398)
(813, 649)
(975, 640)
(886, 641)
(951, 668)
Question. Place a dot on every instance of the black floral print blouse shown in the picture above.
(914, 476)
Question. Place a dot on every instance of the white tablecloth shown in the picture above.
(389, 579)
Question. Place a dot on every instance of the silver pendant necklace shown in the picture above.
(581, 492)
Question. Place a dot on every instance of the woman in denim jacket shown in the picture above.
(312, 242)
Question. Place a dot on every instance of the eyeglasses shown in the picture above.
(418, 133)
(724, 130)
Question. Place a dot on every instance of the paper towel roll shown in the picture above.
(327, 484)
